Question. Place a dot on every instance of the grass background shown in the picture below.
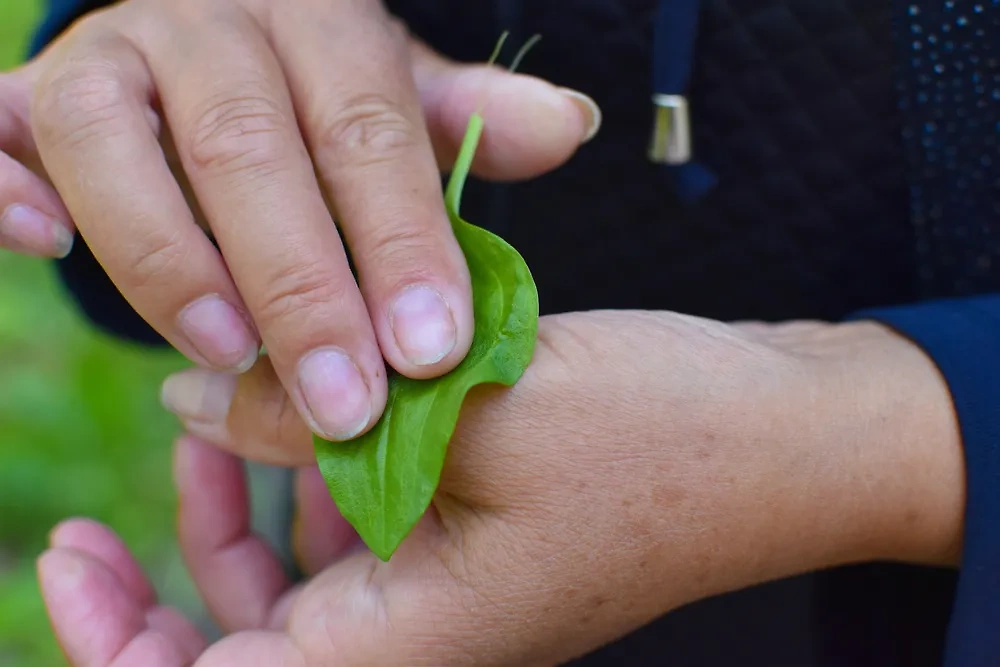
(81, 431)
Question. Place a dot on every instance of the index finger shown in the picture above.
(240, 578)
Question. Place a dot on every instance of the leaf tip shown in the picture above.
(384, 548)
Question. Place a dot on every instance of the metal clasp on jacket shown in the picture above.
(671, 140)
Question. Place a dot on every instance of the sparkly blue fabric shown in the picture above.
(835, 192)
(950, 98)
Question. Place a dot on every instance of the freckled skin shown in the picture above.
(543, 546)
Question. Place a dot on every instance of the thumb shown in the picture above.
(409, 611)
(249, 415)
(449, 596)
(33, 219)
(532, 126)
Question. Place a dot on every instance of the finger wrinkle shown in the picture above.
(93, 616)
(96, 540)
(213, 496)
(151, 648)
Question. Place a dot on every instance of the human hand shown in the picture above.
(255, 120)
(644, 461)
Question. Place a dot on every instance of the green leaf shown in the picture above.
(384, 481)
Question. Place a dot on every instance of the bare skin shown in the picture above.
(646, 460)
(292, 132)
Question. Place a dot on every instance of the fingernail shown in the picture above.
(198, 394)
(219, 334)
(593, 117)
(28, 230)
(61, 572)
(335, 393)
(423, 325)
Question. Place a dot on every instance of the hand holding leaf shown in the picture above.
(384, 481)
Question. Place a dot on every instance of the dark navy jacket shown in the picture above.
(853, 146)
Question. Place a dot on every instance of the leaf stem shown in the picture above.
(456, 183)
(530, 44)
(474, 132)
(498, 48)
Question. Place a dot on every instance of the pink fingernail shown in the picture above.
(199, 394)
(27, 230)
(592, 114)
(219, 333)
(61, 572)
(423, 325)
(336, 394)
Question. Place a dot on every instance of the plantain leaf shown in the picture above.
(384, 481)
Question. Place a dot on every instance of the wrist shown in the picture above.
(880, 407)
(728, 456)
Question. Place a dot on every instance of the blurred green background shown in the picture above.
(81, 431)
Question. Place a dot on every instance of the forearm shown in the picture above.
(915, 422)
(963, 338)
(879, 403)
(850, 442)
(925, 475)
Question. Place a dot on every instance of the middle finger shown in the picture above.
(351, 79)
(228, 106)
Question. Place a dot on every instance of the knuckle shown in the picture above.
(294, 292)
(82, 101)
(162, 255)
(404, 249)
(368, 129)
(234, 133)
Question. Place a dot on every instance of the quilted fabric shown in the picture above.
(794, 109)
